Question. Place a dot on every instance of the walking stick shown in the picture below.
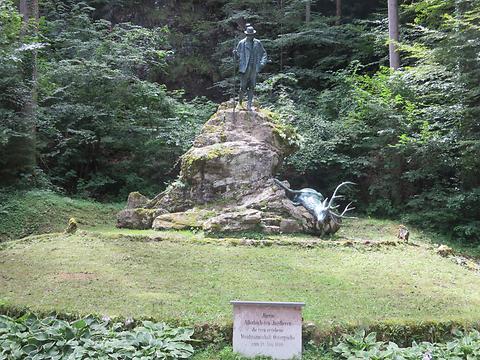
(234, 77)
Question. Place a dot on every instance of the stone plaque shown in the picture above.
(267, 328)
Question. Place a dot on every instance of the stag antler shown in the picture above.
(334, 196)
(347, 208)
(342, 215)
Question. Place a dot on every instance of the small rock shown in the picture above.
(471, 265)
(72, 226)
(403, 233)
(444, 250)
(129, 323)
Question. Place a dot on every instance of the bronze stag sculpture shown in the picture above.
(327, 220)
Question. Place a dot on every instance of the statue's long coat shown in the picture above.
(244, 53)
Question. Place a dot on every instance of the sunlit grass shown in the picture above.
(193, 282)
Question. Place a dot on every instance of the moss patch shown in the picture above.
(190, 219)
(194, 161)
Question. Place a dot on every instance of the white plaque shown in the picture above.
(267, 328)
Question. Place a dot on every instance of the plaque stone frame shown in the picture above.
(268, 328)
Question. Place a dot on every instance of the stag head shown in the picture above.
(328, 220)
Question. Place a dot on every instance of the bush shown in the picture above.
(361, 346)
(50, 338)
(397, 137)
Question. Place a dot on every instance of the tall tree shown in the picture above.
(30, 11)
(23, 7)
(393, 30)
(308, 11)
(338, 12)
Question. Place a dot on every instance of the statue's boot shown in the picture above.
(250, 100)
(240, 99)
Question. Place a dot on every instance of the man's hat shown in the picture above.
(250, 30)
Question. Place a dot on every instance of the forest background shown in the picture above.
(100, 98)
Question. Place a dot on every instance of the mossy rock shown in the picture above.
(195, 159)
(139, 218)
(232, 161)
(190, 219)
(72, 226)
(136, 200)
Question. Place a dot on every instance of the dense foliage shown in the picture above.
(410, 138)
(362, 346)
(29, 337)
(16, 141)
(102, 128)
(365, 347)
(85, 107)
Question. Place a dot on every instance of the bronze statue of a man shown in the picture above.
(252, 58)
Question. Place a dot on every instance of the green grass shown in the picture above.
(193, 282)
(226, 353)
(385, 230)
(38, 212)
(358, 230)
(187, 278)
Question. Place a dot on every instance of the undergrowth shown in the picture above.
(360, 346)
(29, 337)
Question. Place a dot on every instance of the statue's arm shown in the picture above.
(236, 51)
(263, 62)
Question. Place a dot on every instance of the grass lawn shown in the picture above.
(227, 353)
(116, 273)
(25, 213)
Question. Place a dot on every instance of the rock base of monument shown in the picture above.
(226, 181)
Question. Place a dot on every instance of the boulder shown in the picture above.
(190, 219)
(139, 218)
(136, 200)
(226, 180)
(444, 250)
(235, 221)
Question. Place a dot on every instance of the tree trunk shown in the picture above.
(23, 8)
(308, 13)
(282, 16)
(339, 12)
(393, 33)
(36, 17)
(30, 104)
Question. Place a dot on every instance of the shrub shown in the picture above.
(50, 338)
(361, 346)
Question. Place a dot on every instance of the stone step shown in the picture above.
(273, 221)
(270, 229)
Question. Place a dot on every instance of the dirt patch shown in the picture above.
(80, 276)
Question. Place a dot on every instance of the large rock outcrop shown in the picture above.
(226, 181)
